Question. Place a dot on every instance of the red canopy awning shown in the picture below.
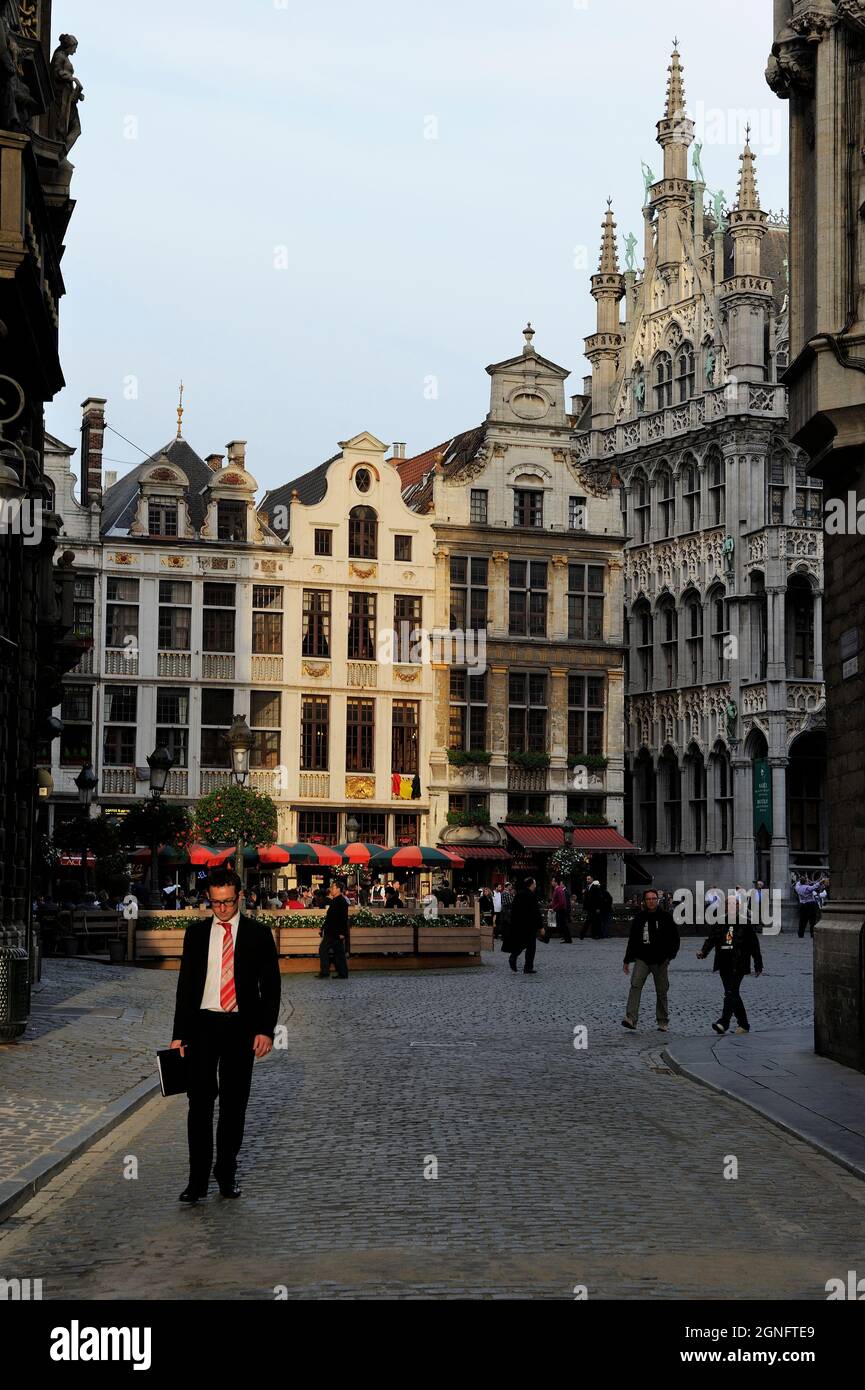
(600, 839)
(478, 852)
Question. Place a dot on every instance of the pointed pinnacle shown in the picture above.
(748, 198)
(609, 262)
(675, 107)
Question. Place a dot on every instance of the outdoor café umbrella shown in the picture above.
(416, 857)
(356, 852)
(301, 853)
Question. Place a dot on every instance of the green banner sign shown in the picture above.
(762, 796)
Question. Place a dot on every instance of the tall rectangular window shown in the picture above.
(586, 603)
(216, 718)
(402, 548)
(585, 716)
(468, 592)
(82, 607)
(121, 718)
(318, 827)
(468, 711)
(76, 740)
(527, 712)
(527, 598)
(315, 634)
(528, 508)
(578, 517)
(361, 627)
(231, 520)
(172, 723)
(267, 619)
(265, 721)
(360, 736)
(314, 733)
(323, 541)
(405, 740)
(175, 615)
(407, 626)
(121, 612)
(218, 614)
(478, 498)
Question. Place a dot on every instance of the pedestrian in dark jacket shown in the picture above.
(652, 944)
(735, 945)
(525, 924)
(560, 904)
(334, 933)
(599, 909)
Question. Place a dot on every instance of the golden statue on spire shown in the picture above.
(180, 414)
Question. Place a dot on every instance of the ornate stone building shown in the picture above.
(818, 65)
(529, 702)
(38, 126)
(723, 557)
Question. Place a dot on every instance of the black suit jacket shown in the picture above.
(256, 977)
(336, 919)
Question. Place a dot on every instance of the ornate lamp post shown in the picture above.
(86, 782)
(240, 740)
(160, 763)
(352, 831)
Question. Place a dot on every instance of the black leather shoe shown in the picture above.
(230, 1189)
(191, 1195)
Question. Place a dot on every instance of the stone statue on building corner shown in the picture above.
(718, 208)
(699, 175)
(648, 180)
(630, 247)
(65, 122)
(732, 714)
(729, 545)
(639, 388)
(711, 363)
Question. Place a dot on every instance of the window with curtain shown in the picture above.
(172, 722)
(175, 615)
(265, 721)
(314, 735)
(267, 619)
(527, 712)
(405, 737)
(362, 627)
(585, 715)
(315, 630)
(362, 533)
(360, 736)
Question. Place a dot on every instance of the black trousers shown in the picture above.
(528, 946)
(220, 1064)
(334, 947)
(563, 923)
(731, 979)
(807, 917)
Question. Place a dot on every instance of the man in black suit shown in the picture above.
(227, 1005)
(334, 933)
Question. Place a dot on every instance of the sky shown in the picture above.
(327, 218)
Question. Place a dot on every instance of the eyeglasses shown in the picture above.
(221, 902)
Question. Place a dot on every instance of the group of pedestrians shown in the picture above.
(654, 941)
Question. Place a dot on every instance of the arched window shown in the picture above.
(758, 613)
(662, 368)
(362, 534)
(717, 505)
(685, 371)
(640, 494)
(809, 497)
(690, 497)
(646, 801)
(666, 502)
(722, 779)
(719, 620)
(800, 626)
(671, 790)
(695, 772)
(692, 612)
(669, 621)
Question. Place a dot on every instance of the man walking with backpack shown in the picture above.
(652, 944)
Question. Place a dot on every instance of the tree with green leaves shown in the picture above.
(238, 816)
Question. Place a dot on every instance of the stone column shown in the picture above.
(559, 779)
(557, 600)
(780, 849)
(743, 816)
(498, 707)
(818, 636)
(498, 594)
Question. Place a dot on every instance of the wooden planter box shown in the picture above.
(297, 941)
(449, 940)
(379, 941)
(153, 945)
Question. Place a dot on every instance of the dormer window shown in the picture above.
(231, 521)
(528, 507)
(162, 516)
(362, 534)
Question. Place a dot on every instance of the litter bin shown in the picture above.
(13, 992)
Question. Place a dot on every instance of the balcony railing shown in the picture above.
(315, 784)
(217, 666)
(174, 664)
(121, 661)
(212, 778)
(267, 668)
(118, 781)
(362, 673)
(527, 779)
(735, 398)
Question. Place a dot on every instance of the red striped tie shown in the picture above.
(227, 996)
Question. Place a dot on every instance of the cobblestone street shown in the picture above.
(557, 1166)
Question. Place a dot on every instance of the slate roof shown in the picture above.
(417, 473)
(120, 501)
(310, 488)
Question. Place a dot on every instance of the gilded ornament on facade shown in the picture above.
(406, 673)
(123, 557)
(315, 668)
(266, 566)
(363, 571)
(360, 788)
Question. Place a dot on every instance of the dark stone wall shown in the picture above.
(844, 609)
(839, 979)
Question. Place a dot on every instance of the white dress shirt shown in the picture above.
(213, 979)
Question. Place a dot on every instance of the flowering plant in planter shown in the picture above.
(568, 860)
(529, 760)
(460, 757)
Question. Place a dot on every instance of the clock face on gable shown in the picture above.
(529, 405)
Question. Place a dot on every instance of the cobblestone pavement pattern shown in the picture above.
(557, 1167)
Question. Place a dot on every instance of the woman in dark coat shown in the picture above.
(526, 922)
(735, 945)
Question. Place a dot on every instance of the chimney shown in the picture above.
(214, 462)
(110, 477)
(92, 432)
(398, 448)
(236, 451)
(587, 385)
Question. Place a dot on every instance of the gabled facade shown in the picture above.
(723, 558)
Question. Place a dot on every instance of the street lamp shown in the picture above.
(86, 782)
(240, 740)
(160, 763)
(352, 832)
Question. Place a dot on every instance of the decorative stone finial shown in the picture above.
(180, 414)
(609, 262)
(528, 334)
(748, 198)
(675, 107)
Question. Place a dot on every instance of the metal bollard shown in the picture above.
(14, 992)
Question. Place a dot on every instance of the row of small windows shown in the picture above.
(528, 597)
(528, 712)
(794, 498)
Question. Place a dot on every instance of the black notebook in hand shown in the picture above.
(173, 1071)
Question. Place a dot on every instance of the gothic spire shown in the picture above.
(749, 198)
(609, 262)
(675, 107)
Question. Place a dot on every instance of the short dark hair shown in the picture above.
(224, 878)
(340, 883)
